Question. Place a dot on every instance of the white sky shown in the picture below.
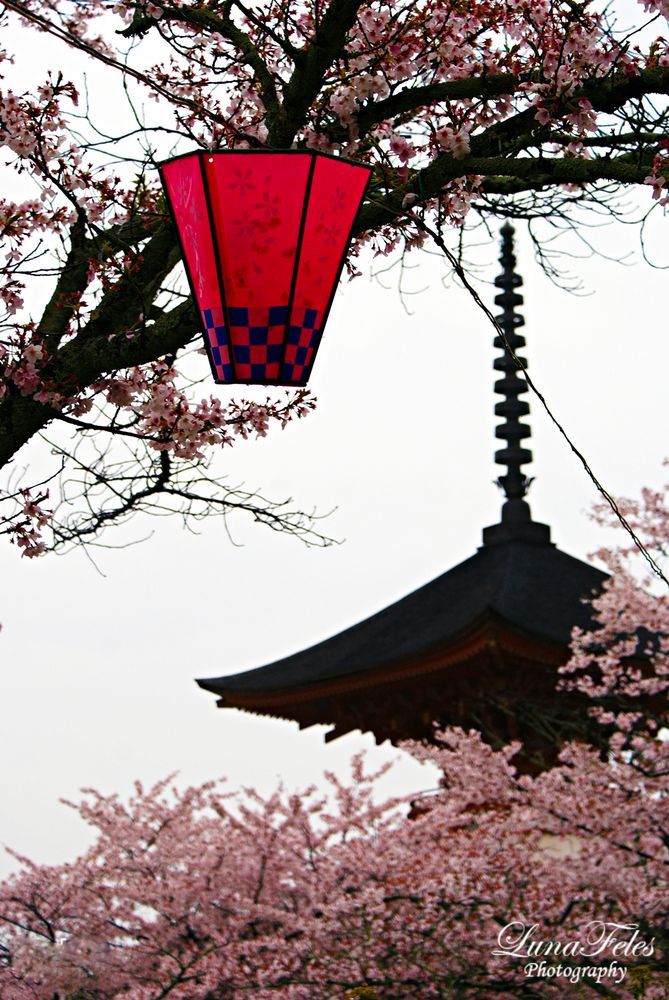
(97, 670)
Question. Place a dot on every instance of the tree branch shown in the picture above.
(86, 358)
(71, 283)
(208, 20)
(111, 492)
(64, 35)
(316, 58)
(500, 174)
(607, 94)
(413, 98)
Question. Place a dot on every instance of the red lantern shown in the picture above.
(264, 236)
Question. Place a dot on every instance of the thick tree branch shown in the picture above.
(412, 98)
(608, 94)
(21, 416)
(308, 77)
(134, 293)
(71, 284)
(515, 174)
(83, 360)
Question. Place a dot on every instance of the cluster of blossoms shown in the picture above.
(390, 47)
(20, 368)
(456, 143)
(197, 894)
(19, 223)
(659, 6)
(658, 175)
(624, 664)
(161, 413)
(346, 100)
(24, 525)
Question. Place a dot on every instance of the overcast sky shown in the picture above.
(98, 664)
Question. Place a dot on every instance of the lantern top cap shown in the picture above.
(264, 151)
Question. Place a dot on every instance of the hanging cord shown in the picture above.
(457, 267)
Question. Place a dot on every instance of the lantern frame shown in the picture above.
(314, 156)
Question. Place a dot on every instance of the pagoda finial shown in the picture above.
(516, 523)
(514, 482)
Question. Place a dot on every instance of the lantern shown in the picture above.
(264, 236)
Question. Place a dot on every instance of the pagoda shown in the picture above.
(478, 647)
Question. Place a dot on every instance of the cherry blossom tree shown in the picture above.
(495, 885)
(465, 110)
(200, 896)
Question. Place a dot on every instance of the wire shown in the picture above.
(457, 267)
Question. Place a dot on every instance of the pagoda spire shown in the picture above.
(514, 482)
(516, 519)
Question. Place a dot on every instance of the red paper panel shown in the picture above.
(257, 202)
(184, 183)
(336, 191)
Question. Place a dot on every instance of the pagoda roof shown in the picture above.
(520, 581)
(478, 646)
